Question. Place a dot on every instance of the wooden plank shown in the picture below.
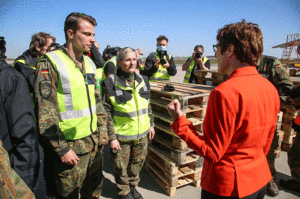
(162, 116)
(165, 128)
(183, 87)
(195, 87)
(191, 88)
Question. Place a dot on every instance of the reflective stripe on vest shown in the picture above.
(131, 119)
(22, 61)
(161, 73)
(77, 117)
(131, 114)
(190, 69)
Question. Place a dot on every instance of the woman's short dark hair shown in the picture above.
(39, 39)
(246, 38)
(73, 19)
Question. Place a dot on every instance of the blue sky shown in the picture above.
(137, 23)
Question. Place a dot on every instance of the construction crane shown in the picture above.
(291, 45)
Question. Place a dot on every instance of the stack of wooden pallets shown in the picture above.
(289, 113)
(170, 162)
(213, 76)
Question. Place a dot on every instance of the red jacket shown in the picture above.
(238, 130)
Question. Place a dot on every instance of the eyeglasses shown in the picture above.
(215, 48)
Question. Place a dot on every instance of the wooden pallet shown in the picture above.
(279, 116)
(179, 156)
(160, 105)
(186, 93)
(194, 163)
(164, 119)
(171, 191)
(279, 134)
(185, 173)
(215, 75)
(169, 175)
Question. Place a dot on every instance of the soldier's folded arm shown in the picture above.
(109, 109)
(47, 106)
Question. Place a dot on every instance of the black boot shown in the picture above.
(290, 184)
(135, 193)
(273, 188)
(127, 196)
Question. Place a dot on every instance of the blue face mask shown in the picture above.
(162, 48)
(141, 56)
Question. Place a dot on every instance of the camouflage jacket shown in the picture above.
(48, 112)
(109, 107)
(11, 185)
(272, 69)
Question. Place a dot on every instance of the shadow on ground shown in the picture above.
(280, 176)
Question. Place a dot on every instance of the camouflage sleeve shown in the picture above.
(12, 186)
(101, 113)
(109, 108)
(281, 80)
(150, 115)
(47, 106)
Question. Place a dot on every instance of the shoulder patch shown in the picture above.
(45, 89)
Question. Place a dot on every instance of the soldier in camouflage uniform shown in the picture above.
(126, 100)
(271, 68)
(11, 185)
(76, 134)
(293, 153)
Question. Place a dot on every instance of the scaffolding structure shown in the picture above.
(292, 42)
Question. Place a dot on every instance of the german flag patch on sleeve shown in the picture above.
(45, 70)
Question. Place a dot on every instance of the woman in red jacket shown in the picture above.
(240, 119)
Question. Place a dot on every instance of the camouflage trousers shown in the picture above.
(85, 178)
(271, 154)
(294, 158)
(128, 163)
